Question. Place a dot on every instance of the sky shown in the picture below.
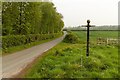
(77, 12)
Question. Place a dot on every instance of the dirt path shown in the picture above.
(14, 63)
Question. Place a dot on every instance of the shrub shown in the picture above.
(71, 38)
(16, 40)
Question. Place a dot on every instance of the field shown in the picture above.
(68, 60)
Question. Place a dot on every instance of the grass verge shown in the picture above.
(69, 61)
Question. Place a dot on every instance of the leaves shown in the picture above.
(22, 18)
(16, 40)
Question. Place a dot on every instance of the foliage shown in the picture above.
(71, 38)
(26, 22)
(23, 18)
(14, 49)
(16, 40)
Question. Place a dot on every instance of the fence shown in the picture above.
(107, 41)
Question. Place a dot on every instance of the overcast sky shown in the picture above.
(76, 12)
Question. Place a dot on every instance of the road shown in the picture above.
(12, 64)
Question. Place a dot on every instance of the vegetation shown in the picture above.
(71, 38)
(11, 50)
(96, 34)
(26, 22)
(13, 40)
(68, 60)
(22, 18)
(96, 28)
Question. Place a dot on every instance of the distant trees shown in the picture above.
(22, 18)
(26, 22)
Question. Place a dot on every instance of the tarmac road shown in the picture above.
(12, 64)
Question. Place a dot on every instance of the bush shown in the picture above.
(71, 38)
(16, 40)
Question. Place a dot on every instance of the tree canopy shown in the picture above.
(22, 18)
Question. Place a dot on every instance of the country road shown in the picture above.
(12, 64)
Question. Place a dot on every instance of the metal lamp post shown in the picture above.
(88, 29)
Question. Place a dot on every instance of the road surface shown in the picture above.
(12, 64)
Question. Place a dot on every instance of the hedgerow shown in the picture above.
(71, 38)
(16, 40)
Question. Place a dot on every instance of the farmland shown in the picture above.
(68, 60)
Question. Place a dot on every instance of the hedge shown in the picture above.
(16, 40)
(71, 38)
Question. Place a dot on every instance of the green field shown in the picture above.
(69, 60)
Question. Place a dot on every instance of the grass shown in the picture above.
(22, 47)
(96, 34)
(69, 60)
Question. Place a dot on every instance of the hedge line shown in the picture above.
(16, 40)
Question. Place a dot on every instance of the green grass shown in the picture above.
(22, 47)
(96, 34)
(69, 60)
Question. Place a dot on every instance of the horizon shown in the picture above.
(95, 26)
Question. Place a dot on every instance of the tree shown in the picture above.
(22, 18)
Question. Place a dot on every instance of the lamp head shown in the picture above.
(88, 21)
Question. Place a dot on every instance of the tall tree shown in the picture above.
(21, 18)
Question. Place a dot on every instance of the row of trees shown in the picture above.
(22, 18)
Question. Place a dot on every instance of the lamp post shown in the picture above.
(88, 29)
(88, 26)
